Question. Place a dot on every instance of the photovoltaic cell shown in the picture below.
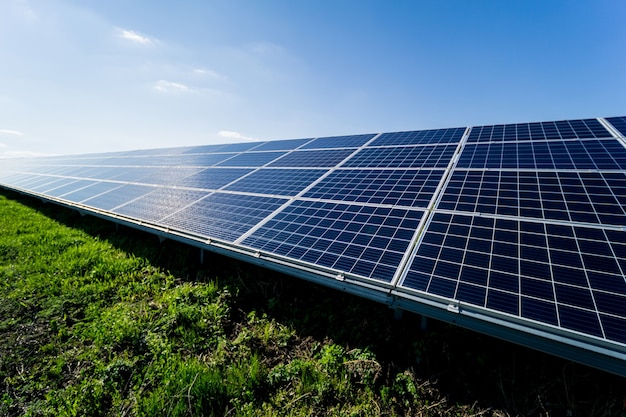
(413, 188)
(361, 240)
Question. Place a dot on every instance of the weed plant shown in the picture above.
(97, 320)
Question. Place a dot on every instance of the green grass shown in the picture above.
(96, 321)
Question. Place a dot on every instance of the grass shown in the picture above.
(96, 321)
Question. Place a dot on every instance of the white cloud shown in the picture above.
(206, 73)
(170, 87)
(132, 36)
(234, 135)
(2, 145)
(10, 132)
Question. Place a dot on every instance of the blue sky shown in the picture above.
(93, 76)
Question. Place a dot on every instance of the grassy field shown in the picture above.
(96, 321)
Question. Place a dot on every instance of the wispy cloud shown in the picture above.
(2, 145)
(11, 132)
(205, 73)
(171, 87)
(234, 135)
(134, 37)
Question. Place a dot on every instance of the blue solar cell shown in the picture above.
(288, 182)
(534, 269)
(537, 288)
(613, 328)
(539, 310)
(574, 296)
(609, 303)
(471, 294)
(441, 286)
(473, 275)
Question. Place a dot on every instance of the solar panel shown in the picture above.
(412, 188)
(287, 182)
(420, 137)
(403, 157)
(515, 230)
(364, 240)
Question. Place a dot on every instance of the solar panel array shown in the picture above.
(519, 224)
